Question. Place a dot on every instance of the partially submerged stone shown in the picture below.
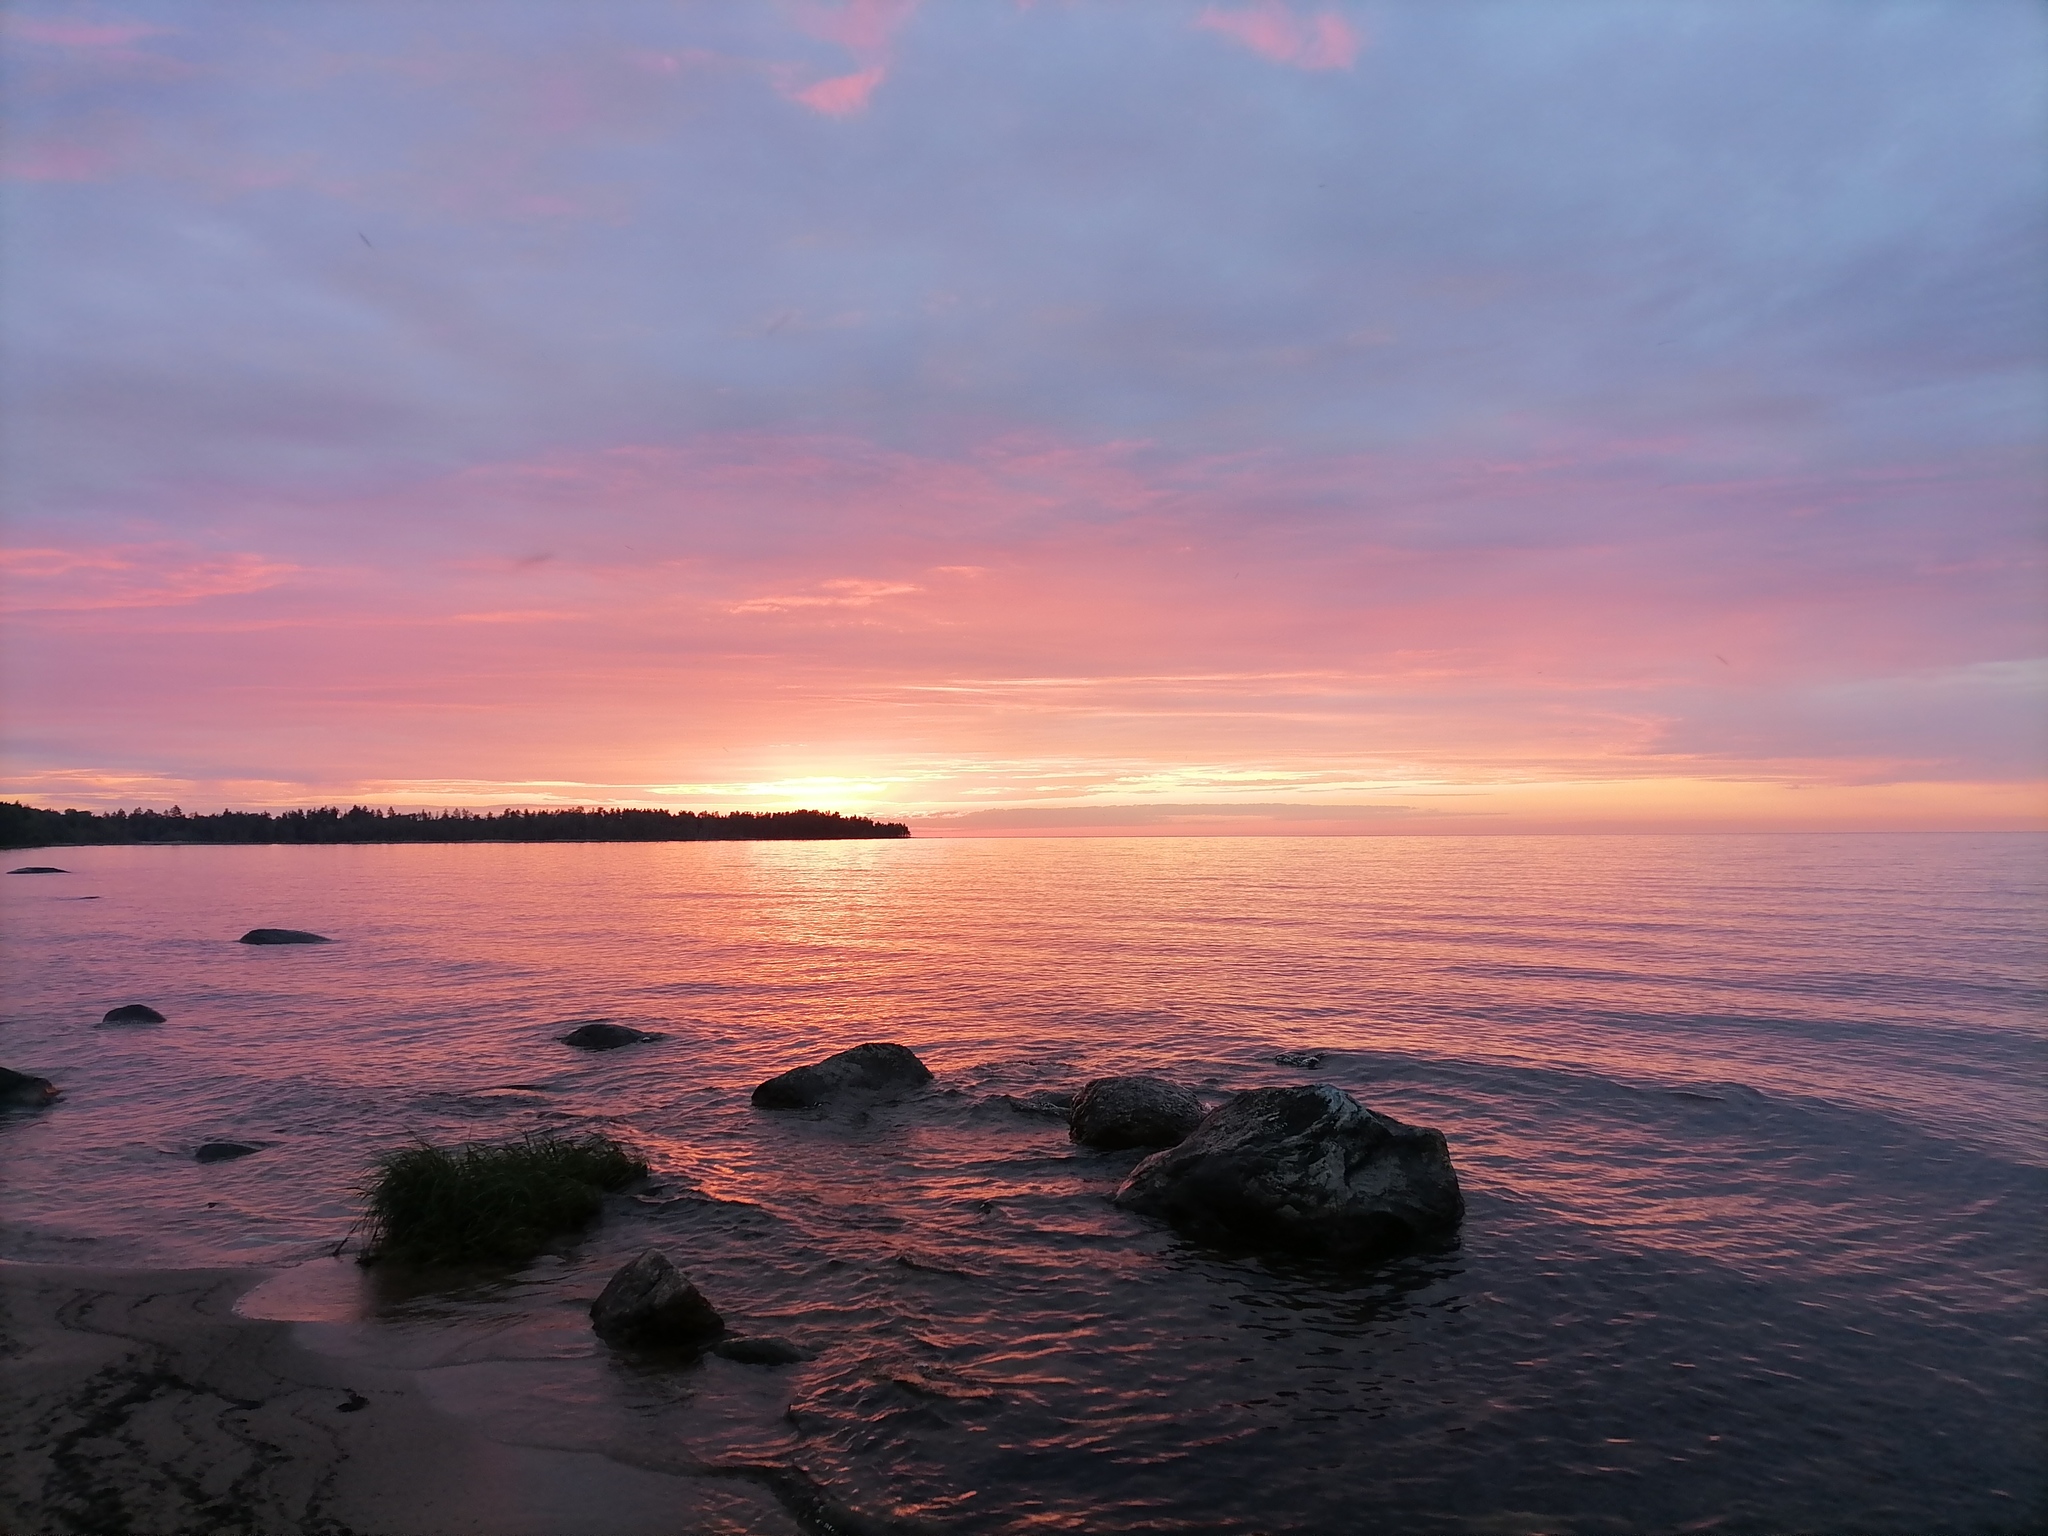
(20, 1090)
(604, 1035)
(1309, 1059)
(132, 1013)
(1043, 1103)
(39, 869)
(282, 936)
(650, 1301)
(1114, 1112)
(1308, 1170)
(223, 1151)
(762, 1349)
(872, 1069)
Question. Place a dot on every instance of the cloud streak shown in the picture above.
(133, 576)
(1273, 30)
(866, 29)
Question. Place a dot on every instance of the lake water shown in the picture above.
(1750, 1130)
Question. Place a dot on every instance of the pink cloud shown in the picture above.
(864, 28)
(78, 34)
(859, 26)
(1273, 31)
(843, 592)
(55, 162)
(130, 576)
(842, 95)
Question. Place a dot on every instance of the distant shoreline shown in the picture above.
(26, 826)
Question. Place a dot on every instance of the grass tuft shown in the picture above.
(489, 1202)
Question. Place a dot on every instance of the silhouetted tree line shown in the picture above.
(28, 826)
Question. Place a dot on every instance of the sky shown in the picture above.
(1078, 416)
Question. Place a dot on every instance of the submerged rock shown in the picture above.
(1041, 1102)
(282, 936)
(764, 1349)
(874, 1068)
(1308, 1059)
(223, 1151)
(1306, 1169)
(39, 869)
(650, 1301)
(1117, 1112)
(19, 1090)
(604, 1035)
(133, 1013)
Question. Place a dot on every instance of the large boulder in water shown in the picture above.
(20, 1090)
(282, 936)
(1115, 1112)
(132, 1013)
(1307, 1170)
(604, 1035)
(650, 1301)
(874, 1068)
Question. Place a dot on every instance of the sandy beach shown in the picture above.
(137, 1401)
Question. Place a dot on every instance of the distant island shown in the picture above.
(28, 826)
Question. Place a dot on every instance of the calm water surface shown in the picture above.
(1751, 1132)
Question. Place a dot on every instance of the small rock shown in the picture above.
(603, 1035)
(1307, 1169)
(1308, 1059)
(874, 1068)
(1115, 1112)
(282, 936)
(39, 869)
(1042, 1103)
(19, 1089)
(650, 1301)
(764, 1349)
(223, 1151)
(133, 1013)
(356, 1402)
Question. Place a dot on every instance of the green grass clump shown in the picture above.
(489, 1202)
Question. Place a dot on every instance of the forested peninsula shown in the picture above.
(28, 826)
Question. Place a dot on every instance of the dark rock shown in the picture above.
(603, 1035)
(282, 936)
(1042, 1103)
(1306, 1169)
(650, 1301)
(1117, 1112)
(18, 1089)
(133, 1013)
(223, 1151)
(873, 1068)
(1308, 1059)
(39, 869)
(765, 1349)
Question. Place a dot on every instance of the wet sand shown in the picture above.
(137, 1401)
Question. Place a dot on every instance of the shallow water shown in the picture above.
(1751, 1132)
